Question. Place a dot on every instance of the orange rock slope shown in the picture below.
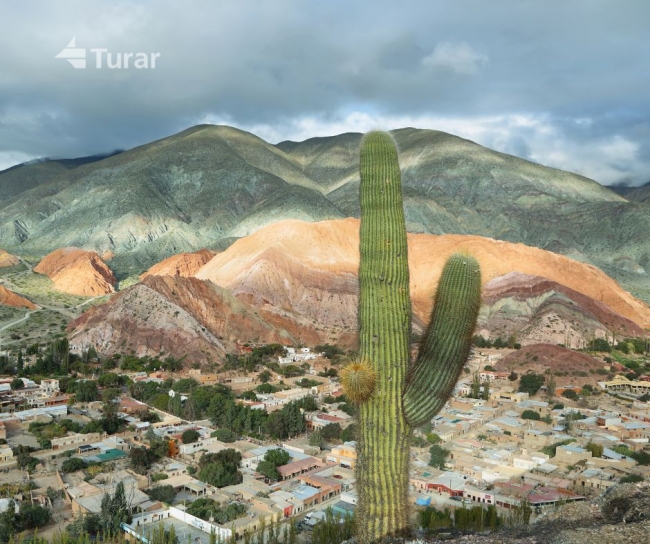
(7, 259)
(9, 298)
(183, 264)
(77, 272)
(311, 268)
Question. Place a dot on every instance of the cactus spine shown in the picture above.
(403, 395)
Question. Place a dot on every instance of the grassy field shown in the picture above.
(40, 290)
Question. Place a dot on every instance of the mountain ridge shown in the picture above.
(208, 185)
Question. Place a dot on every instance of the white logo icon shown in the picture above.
(73, 54)
(104, 58)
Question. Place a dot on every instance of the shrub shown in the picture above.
(224, 435)
(570, 394)
(530, 414)
(190, 436)
(73, 464)
(162, 493)
(438, 456)
(531, 383)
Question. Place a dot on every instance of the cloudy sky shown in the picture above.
(562, 82)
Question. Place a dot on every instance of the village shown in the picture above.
(492, 445)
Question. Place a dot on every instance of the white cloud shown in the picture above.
(459, 58)
(538, 138)
(12, 158)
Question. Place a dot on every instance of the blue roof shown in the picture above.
(304, 492)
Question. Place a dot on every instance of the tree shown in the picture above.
(595, 449)
(550, 386)
(331, 431)
(190, 436)
(570, 394)
(265, 376)
(530, 414)
(221, 469)
(513, 376)
(73, 464)
(438, 456)
(433, 438)
(114, 511)
(225, 435)
(631, 479)
(17, 383)
(316, 439)
(162, 493)
(349, 433)
(32, 516)
(531, 383)
(141, 460)
(86, 391)
(486, 390)
(20, 365)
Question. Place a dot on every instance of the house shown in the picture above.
(6, 454)
(344, 455)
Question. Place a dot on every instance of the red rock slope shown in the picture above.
(183, 264)
(7, 259)
(77, 272)
(9, 298)
(310, 269)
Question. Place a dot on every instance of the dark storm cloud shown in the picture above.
(563, 83)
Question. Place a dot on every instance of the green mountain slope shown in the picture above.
(209, 184)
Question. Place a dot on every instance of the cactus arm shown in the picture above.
(447, 341)
(385, 322)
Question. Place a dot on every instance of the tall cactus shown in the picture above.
(395, 394)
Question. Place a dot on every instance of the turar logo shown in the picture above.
(73, 54)
(104, 58)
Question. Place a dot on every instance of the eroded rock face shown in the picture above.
(183, 264)
(9, 298)
(311, 269)
(538, 310)
(296, 282)
(7, 259)
(77, 272)
(174, 315)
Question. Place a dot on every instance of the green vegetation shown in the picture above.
(205, 508)
(385, 329)
(498, 342)
(73, 464)
(631, 479)
(531, 383)
(331, 431)
(29, 517)
(475, 518)
(438, 456)
(333, 530)
(530, 414)
(641, 457)
(190, 436)
(220, 469)
(224, 435)
(595, 449)
(272, 460)
(551, 449)
(570, 394)
(162, 493)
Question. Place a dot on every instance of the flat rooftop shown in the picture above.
(184, 532)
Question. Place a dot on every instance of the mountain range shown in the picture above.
(210, 185)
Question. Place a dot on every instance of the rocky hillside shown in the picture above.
(300, 280)
(208, 185)
(7, 259)
(183, 264)
(537, 310)
(77, 272)
(9, 298)
(173, 315)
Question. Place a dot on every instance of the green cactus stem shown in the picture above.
(446, 344)
(401, 396)
(385, 325)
